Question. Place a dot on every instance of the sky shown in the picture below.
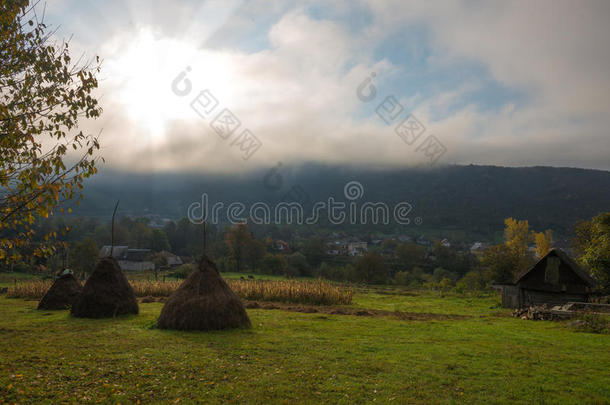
(231, 86)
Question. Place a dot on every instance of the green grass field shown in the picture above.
(290, 357)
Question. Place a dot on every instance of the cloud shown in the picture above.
(290, 75)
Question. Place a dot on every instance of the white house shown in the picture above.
(130, 259)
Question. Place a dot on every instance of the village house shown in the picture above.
(281, 246)
(130, 259)
(335, 248)
(350, 247)
(171, 260)
(403, 238)
(555, 280)
(422, 241)
(478, 248)
(356, 248)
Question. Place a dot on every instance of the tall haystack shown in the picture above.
(106, 293)
(62, 294)
(203, 301)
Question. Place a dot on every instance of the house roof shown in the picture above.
(124, 253)
(117, 251)
(567, 260)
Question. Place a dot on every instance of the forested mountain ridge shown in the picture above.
(471, 198)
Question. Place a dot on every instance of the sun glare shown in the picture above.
(143, 71)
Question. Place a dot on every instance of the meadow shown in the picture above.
(475, 353)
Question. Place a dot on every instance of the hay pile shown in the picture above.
(106, 293)
(62, 294)
(203, 301)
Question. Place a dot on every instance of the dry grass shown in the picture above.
(318, 292)
(34, 290)
(143, 288)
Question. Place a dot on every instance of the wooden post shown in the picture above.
(204, 238)
(112, 228)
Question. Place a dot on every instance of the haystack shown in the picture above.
(106, 293)
(62, 294)
(203, 301)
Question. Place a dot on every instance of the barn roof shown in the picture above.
(567, 260)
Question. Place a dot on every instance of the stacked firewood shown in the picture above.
(535, 313)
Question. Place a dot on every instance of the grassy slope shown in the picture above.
(306, 358)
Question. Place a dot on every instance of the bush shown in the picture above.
(297, 265)
(273, 264)
(291, 272)
(472, 281)
(439, 274)
(592, 323)
(402, 278)
(414, 278)
(183, 271)
(371, 269)
(336, 273)
(21, 267)
(443, 285)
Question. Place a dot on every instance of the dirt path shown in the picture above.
(341, 310)
(336, 310)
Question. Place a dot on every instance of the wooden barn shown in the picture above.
(555, 280)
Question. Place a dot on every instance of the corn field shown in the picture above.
(33, 290)
(318, 292)
(144, 288)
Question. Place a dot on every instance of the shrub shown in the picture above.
(273, 264)
(183, 271)
(337, 273)
(21, 267)
(439, 274)
(592, 323)
(402, 278)
(472, 281)
(297, 265)
(414, 278)
(371, 269)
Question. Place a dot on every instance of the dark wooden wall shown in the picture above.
(568, 281)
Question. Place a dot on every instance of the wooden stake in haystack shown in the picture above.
(203, 225)
(112, 228)
(107, 293)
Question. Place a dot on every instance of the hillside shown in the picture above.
(470, 198)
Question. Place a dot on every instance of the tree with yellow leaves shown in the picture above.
(544, 242)
(517, 237)
(43, 95)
